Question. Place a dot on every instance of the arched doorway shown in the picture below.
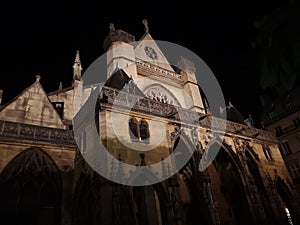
(30, 190)
(229, 189)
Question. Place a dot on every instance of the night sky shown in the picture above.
(42, 38)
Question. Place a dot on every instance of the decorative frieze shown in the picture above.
(31, 132)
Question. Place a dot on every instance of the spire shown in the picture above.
(60, 86)
(77, 67)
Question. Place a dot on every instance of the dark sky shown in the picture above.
(42, 37)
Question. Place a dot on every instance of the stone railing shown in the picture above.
(31, 132)
(147, 105)
(178, 114)
(148, 69)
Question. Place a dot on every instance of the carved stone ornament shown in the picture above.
(161, 94)
(175, 133)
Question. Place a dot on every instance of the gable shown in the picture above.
(32, 106)
(148, 50)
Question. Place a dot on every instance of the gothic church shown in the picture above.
(46, 179)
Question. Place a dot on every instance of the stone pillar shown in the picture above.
(208, 196)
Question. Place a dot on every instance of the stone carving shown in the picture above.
(240, 145)
(161, 94)
(32, 132)
(175, 133)
(111, 27)
(145, 22)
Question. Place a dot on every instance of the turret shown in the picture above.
(120, 51)
(190, 85)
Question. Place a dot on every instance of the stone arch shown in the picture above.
(160, 93)
(151, 204)
(226, 173)
(191, 183)
(97, 201)
(218, 145)
(182, 149)
(249, 150)
(86, 208)
(34, 179)
(264, 211)
(164, 201)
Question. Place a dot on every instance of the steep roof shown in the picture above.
(32, 106)
(119, 79)
(233, 114)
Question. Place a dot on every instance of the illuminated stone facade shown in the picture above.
(45, 179)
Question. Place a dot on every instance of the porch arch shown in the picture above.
(30, 189)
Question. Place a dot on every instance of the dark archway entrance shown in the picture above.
(191, 186)
(229, 189)
(30, 190)
(86, 208)
(98, 201)
(150, 207)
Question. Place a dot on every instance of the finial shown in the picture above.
(145, 22)
(111, 27)
(77, 67)
(38, 77)
(77, 57)
(60, 86)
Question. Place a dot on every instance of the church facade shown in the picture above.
(46, 176)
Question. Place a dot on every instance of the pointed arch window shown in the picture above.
(133, 129)
(144, 131)
(138, 130)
